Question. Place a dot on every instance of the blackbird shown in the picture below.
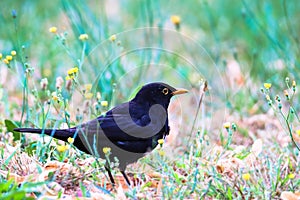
(128, 130)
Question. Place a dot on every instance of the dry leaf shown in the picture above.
(229, 166)
(257, 147)
(286, 195)
(154, 175)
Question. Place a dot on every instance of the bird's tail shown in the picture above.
(61, 134)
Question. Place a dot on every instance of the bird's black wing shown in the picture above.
(127, 122)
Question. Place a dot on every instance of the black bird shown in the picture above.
(130, 129)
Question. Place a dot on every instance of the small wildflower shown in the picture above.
(298, 132)
(294, 86)
(88, 95)
(88, 87)
(98, 96)
(106, 150)
(226, 125)
(59, 82)
(62, 148)
(113, 38)
(270, 102)
(54, 96)
(268, 97)
(267, 85)
(246, 176)
(71, 140)
(160, 141)
(9, 57)
(6, 61)
(233, 126)
(262, 90)
(44, 83)
(84, 37)
(78, 116)
(175, 19)
(277, 98)
(53, 29)
(73, 70)
(286, 94)
(161, 152)
(1, 56)
(291, 176)
(287, 79)
(280, 106)
(69, 78)
(13, 53)
(104, 103)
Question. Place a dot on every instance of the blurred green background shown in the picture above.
(260, 36)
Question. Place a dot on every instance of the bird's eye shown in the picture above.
(165, 91)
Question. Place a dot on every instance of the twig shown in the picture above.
(203, 89)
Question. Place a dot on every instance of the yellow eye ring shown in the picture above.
(165, 91)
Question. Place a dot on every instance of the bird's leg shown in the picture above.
(125, 176)
(110, 175)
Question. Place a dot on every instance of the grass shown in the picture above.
(236, 46)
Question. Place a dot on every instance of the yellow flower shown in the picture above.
(73, 70)
(113, 38)
(88, 95)
(9, 57)
(161, 152)
(62, 148)
(294, 83)
(246, 176)
(53, 29)
(226, 125)
(13, 53)
(175, 19)
(160, 141)
(298, 132)
(106, 150)
(71, 140)
(54, 96)
(69, 78)
(291, 176)
(6, 61)
(267, 85)
(88, 87)
(1, 55)
(104, 103)
(84, 37)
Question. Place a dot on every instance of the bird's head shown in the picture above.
(157, 93)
